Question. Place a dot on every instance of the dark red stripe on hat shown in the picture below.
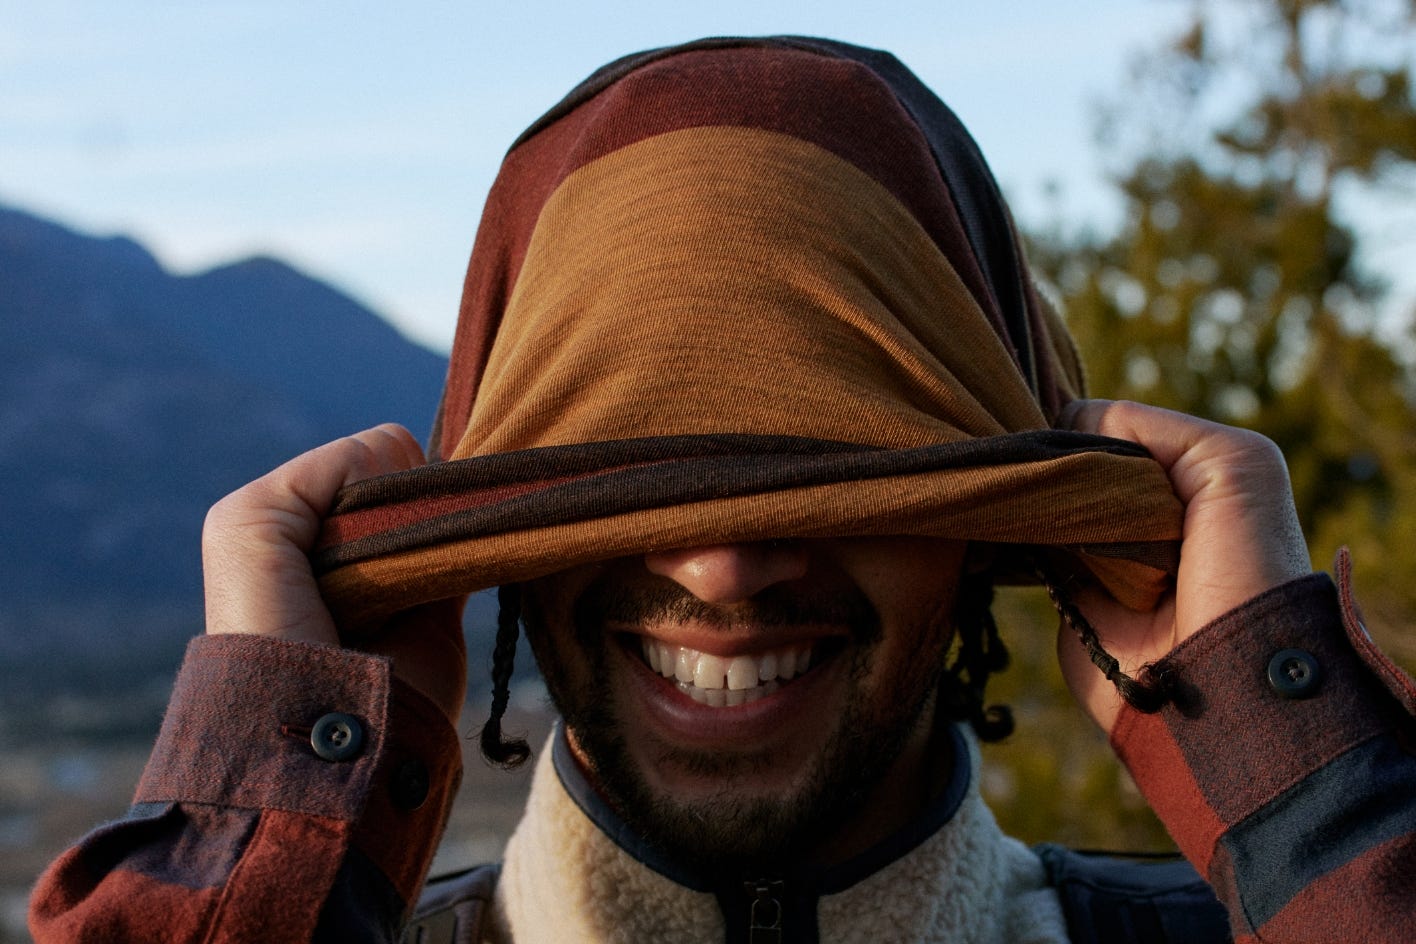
(368, 522)
(667, 470)
(543, 463)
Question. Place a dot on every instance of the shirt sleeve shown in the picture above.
(1285, 770)
(296, 792)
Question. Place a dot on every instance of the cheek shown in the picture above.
(916, 633)
(915, 578)
(911, 656)
(912, 583)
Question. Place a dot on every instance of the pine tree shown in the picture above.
(1238, 288)
(1241, 287)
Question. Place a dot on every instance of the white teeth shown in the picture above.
(727, 698)
(742, 673)
(710, 671)
(722, 681)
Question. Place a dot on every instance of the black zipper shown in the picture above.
(764, 911)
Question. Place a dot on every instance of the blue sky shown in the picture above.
(357, 140)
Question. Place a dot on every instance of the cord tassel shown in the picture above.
(1144, 697)
(512, 753)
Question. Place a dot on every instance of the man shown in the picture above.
(751, 402)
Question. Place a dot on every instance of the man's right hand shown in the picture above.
(256, 568)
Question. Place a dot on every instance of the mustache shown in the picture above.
(609, 601)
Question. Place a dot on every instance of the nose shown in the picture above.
(724, 574)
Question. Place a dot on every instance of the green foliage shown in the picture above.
(1235, 289)
(1055, 779)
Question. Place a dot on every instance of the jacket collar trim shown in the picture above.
(829, 880)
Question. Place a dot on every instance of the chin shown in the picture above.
(741, 809)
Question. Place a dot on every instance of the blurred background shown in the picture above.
(232, 231)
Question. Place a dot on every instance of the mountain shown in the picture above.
(130, 400)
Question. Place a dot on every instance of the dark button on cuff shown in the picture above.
(337, 736)
(1294, 673)
(411, 783)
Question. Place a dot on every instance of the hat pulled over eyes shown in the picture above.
(741, 290)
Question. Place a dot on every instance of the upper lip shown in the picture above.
(718, 641)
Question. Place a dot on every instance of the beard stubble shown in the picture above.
(729, 830)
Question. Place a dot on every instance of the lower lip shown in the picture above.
(684, 721)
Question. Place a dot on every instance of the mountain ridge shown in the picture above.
(132, 398)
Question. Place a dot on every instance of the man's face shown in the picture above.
(736, 703)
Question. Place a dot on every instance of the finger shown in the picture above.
(1083, 416)
(317, 476)
(1198, 455)
(255, 541)
(1241, 531)
(290, 502)
(1167, 434)
(391, 449)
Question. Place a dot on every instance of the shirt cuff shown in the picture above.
(261, 723)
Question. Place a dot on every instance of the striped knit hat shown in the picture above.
(737, 290)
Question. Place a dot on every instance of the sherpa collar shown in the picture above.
(739, 290)
(574, 871)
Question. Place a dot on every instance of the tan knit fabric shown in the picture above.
(775, 262)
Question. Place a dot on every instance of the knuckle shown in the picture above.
(1120, 414)
(1260, 449)
(221, 515)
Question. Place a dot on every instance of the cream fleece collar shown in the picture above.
(574, 872)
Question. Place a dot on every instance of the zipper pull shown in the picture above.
(765, 912)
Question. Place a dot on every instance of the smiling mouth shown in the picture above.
(729, 681)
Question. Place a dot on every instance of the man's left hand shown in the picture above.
(1240, 537)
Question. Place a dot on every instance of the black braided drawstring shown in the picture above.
(1145, 697)
(496, 748)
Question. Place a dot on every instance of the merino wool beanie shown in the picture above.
(737, 290)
